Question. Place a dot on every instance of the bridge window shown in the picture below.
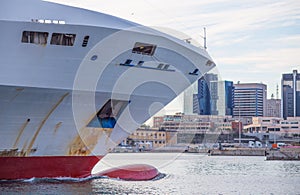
(39, 38)
(108, 114)
(85, 41)
(140, 63)
(144, 48)
(62, 39)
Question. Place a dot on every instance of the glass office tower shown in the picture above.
(290, 94)
(214, 97)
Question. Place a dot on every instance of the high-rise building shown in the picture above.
(203, 100)
(273, 107)
(290, 94)
(249, 99)
(214, 97)
(188, 98)
(222, 98)
(196, 106)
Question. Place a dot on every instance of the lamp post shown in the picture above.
(239, 122)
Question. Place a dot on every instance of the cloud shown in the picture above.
(279, 58)
(230, 23)
(249, 40)
(266, 66)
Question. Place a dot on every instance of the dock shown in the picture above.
(285, 153)
(238, 152)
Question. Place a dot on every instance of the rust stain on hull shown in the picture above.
(84, 143)
(57, 126)
(14, 152)
(107, 133)
(20, 133)
(43, 122)
(19, 90)
(24, 146)
(10, 152)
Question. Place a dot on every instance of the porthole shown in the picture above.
(94, 57)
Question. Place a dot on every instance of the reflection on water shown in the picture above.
(184, 174)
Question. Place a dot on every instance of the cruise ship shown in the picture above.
(74, 83)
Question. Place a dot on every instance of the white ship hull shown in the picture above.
(51, 93)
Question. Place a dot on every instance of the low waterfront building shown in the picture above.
(198, 128)
(195, 123)
(171, 137)
(263, 124)
(157, 121)
(289, 127)
(148, 138)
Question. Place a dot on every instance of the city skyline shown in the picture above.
(249, 41)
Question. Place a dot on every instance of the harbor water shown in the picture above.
(181, 173)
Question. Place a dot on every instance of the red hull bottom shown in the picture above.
(47, 166)
(136, 172)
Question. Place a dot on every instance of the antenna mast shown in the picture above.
(204, 38)
(277, 92)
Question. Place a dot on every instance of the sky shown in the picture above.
(250, 41)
